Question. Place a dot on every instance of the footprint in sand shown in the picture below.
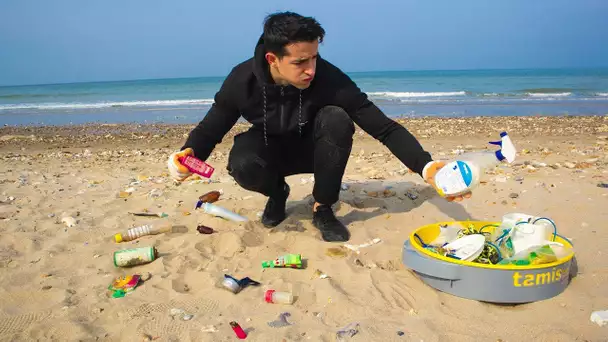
(154, 319)
(393, 290)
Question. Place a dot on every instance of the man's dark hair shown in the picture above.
(284, 28)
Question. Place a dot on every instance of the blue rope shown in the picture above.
(565, 238)
(420, 241)
(488, 225)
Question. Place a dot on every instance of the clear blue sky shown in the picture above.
(57, 41)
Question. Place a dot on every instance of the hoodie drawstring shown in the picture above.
(300, 124)
(300, 115)
(265, 129)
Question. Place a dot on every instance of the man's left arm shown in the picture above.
(390, 133)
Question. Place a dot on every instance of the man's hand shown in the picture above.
(178, 171)
(429, 176)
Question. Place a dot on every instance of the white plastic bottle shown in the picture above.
(216, 210)
(137, 232)
(272, 296)
(463, 174)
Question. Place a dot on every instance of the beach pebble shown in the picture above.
(538, 164)
(400, 333)
(375, 174)
(411, 195)
(344, 186)
(570, 165)
(519, 179)
(602, 185)
(513, 195)
(155, 193)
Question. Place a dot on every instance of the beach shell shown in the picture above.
(69, 221)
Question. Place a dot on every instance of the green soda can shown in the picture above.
(135, 256)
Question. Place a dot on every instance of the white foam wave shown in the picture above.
(548, 94)
(601, 94)
(391, 94)
(97, 105)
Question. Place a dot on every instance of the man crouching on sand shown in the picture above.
(302, 110)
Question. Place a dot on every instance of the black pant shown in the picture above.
(323, 149)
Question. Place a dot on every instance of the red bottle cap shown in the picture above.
(268, 296)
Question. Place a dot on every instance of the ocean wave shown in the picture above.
(99, 105)
(601, 94)
(391, 94)
(547, 90)
(549, 94)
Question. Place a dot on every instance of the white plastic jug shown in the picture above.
(462, 175)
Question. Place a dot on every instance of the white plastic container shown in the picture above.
(527, 231)
(446, 235)
(463, 174)
(216, 210)
(468, 247)
(272, 296)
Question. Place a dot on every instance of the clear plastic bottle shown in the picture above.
(137, 232)
(272, 296)
(463, 174)
(216, 210)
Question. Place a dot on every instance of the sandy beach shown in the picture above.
(54, 278)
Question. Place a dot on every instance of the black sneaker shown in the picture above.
(274, 213)
(331, 229)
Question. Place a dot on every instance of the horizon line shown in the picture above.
(347, 72)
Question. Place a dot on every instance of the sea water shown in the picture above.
(456, 93)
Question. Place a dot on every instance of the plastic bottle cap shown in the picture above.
(118, 238)
(268, 296)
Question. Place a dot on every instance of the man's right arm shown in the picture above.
(222, 116)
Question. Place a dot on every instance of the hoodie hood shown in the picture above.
(260, 65)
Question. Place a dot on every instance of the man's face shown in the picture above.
(298, 66)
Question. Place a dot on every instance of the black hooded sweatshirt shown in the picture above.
(277, 110)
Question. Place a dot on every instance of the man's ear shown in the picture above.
(271, 58)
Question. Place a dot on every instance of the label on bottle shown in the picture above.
(136, 232)
(454, 178)
(136, 256)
